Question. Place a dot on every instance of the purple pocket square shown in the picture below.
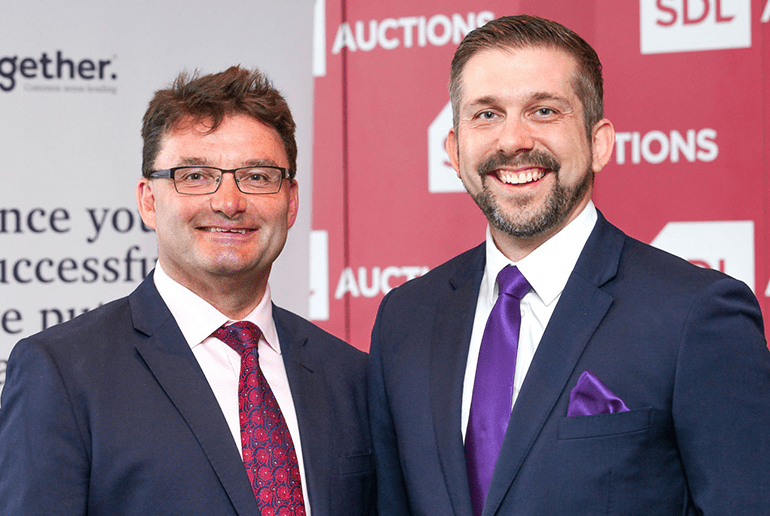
(591, 397)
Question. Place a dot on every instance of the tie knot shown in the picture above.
(241, 336)
(512, 282)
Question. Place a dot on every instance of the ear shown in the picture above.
(145, 200)
(602, 141)
(291, 215)
(452, 150)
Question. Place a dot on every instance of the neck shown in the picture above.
(234, 296)
(516, 249)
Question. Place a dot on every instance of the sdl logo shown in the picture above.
(692, 25)
(689, 13)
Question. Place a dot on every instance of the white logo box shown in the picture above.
(694, 25)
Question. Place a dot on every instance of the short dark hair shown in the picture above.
(209, 99)
(525, 31)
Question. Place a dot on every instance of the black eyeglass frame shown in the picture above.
(168, 173)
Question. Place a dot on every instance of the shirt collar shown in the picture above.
(548, 267)
(197, 319)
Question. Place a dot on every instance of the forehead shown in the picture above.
(238, 138)
(518, 72)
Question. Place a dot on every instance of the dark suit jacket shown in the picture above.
(110, 414)
(682, 346)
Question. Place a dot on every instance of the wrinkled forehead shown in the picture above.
(205, 123)
(542, 67)
(238, 139)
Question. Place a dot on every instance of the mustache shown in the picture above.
(532, 158)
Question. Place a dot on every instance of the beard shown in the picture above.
(522, 220)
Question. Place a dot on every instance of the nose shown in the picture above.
(228, 200)
(515, 136)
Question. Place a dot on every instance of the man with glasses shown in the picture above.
(195, 394)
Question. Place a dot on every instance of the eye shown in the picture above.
(193, 175)
(257, 178)
(545, 111)
(486, 115)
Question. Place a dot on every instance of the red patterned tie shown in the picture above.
(268, 451)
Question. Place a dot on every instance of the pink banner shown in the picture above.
(685, 87)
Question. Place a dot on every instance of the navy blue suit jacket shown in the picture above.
(682, 346)
(110, 414)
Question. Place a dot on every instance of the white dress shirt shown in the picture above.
(222, 365)
(547, 270)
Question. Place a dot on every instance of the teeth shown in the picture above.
(520, 178)
(221, 230)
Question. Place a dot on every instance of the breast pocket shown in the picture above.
(355, 464)
(605, 425)
(353, 489)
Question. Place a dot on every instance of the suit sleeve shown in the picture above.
(391, 489)
(721, 402)
(44, 464)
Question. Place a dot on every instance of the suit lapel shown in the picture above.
(449, 355)
(311, 404)
(580, 309)
(174, 366)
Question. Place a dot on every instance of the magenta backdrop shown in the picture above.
(686, 84)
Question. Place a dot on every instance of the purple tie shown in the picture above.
(493, 386)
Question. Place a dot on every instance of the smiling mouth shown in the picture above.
(520, 178)
(225, 230)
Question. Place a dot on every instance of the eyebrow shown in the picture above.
(194, 161)
(537, 96)
(262, 162)
(482, 101)
(544, 95)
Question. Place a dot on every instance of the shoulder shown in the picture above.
(407, 313)
(109, 324)
(296, 330)
(86, 332)
(621, 263)
(69, 357)
(671, 288)
(660, 270)
(446, 277)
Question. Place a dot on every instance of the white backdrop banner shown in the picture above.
(75, 79)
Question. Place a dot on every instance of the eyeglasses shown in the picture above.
(196, 180)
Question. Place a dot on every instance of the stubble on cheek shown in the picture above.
(524, 216)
